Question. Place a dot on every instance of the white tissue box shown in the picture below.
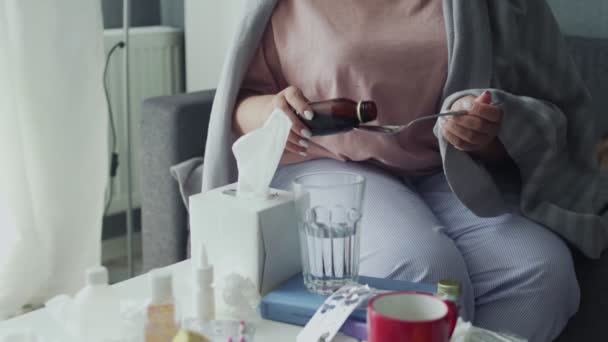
(256, 238)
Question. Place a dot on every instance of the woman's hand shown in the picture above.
(253, 110)
(294, 104)
(476, 130)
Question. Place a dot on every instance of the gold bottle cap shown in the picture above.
(189, 336)
(448, 287)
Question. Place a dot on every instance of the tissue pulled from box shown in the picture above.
(258, 154)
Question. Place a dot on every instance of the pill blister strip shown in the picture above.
(336, 309)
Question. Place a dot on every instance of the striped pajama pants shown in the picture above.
(516, 275)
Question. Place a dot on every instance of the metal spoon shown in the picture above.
(394, 129)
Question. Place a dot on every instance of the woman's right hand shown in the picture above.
(293, 103)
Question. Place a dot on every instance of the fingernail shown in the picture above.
(485, 97)
(467, 104)
(308, 115)
(304, 154)
(306, 133)
(303, 143)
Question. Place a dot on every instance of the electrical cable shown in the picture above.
(114, 159)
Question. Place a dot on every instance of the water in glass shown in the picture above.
(329, 223)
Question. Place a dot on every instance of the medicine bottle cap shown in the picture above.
(161, 287)
(448, 288)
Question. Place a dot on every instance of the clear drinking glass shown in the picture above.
(329, 211)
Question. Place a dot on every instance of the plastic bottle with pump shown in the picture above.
(96, 308)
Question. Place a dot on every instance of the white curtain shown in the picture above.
(53, 147)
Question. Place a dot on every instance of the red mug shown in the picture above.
(410, 317)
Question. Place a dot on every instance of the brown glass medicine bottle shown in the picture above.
(339, 115)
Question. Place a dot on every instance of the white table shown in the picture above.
(137, 289)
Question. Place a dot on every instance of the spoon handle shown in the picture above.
(451, 113)
(394, 129)
(428, 117)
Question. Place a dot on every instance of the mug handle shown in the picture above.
(452, 316)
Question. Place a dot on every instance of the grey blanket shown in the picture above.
(514, 49)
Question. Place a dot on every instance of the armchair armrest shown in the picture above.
(173, 129)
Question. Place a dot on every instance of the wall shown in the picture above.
(143, 13)
(210, 24)
(209, 28)
(172, 12)
(588, 18)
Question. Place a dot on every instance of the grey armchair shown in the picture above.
(173, 129)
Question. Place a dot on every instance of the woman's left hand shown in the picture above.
(476, 130)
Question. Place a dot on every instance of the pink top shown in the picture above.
(393, 52)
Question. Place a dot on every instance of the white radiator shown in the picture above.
(156, 68)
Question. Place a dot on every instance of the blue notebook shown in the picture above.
(292, 303)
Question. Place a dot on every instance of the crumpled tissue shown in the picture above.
(466, 332)
(237, 314)
(258, 154)
(241, 298)
(23, 337)
(132, 313)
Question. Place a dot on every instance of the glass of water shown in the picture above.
(329, 211)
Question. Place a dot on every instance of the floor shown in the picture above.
(114, 257)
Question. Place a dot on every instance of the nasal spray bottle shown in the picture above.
(203, 293)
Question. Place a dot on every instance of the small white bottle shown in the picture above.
(202, 287)
(96, 310)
